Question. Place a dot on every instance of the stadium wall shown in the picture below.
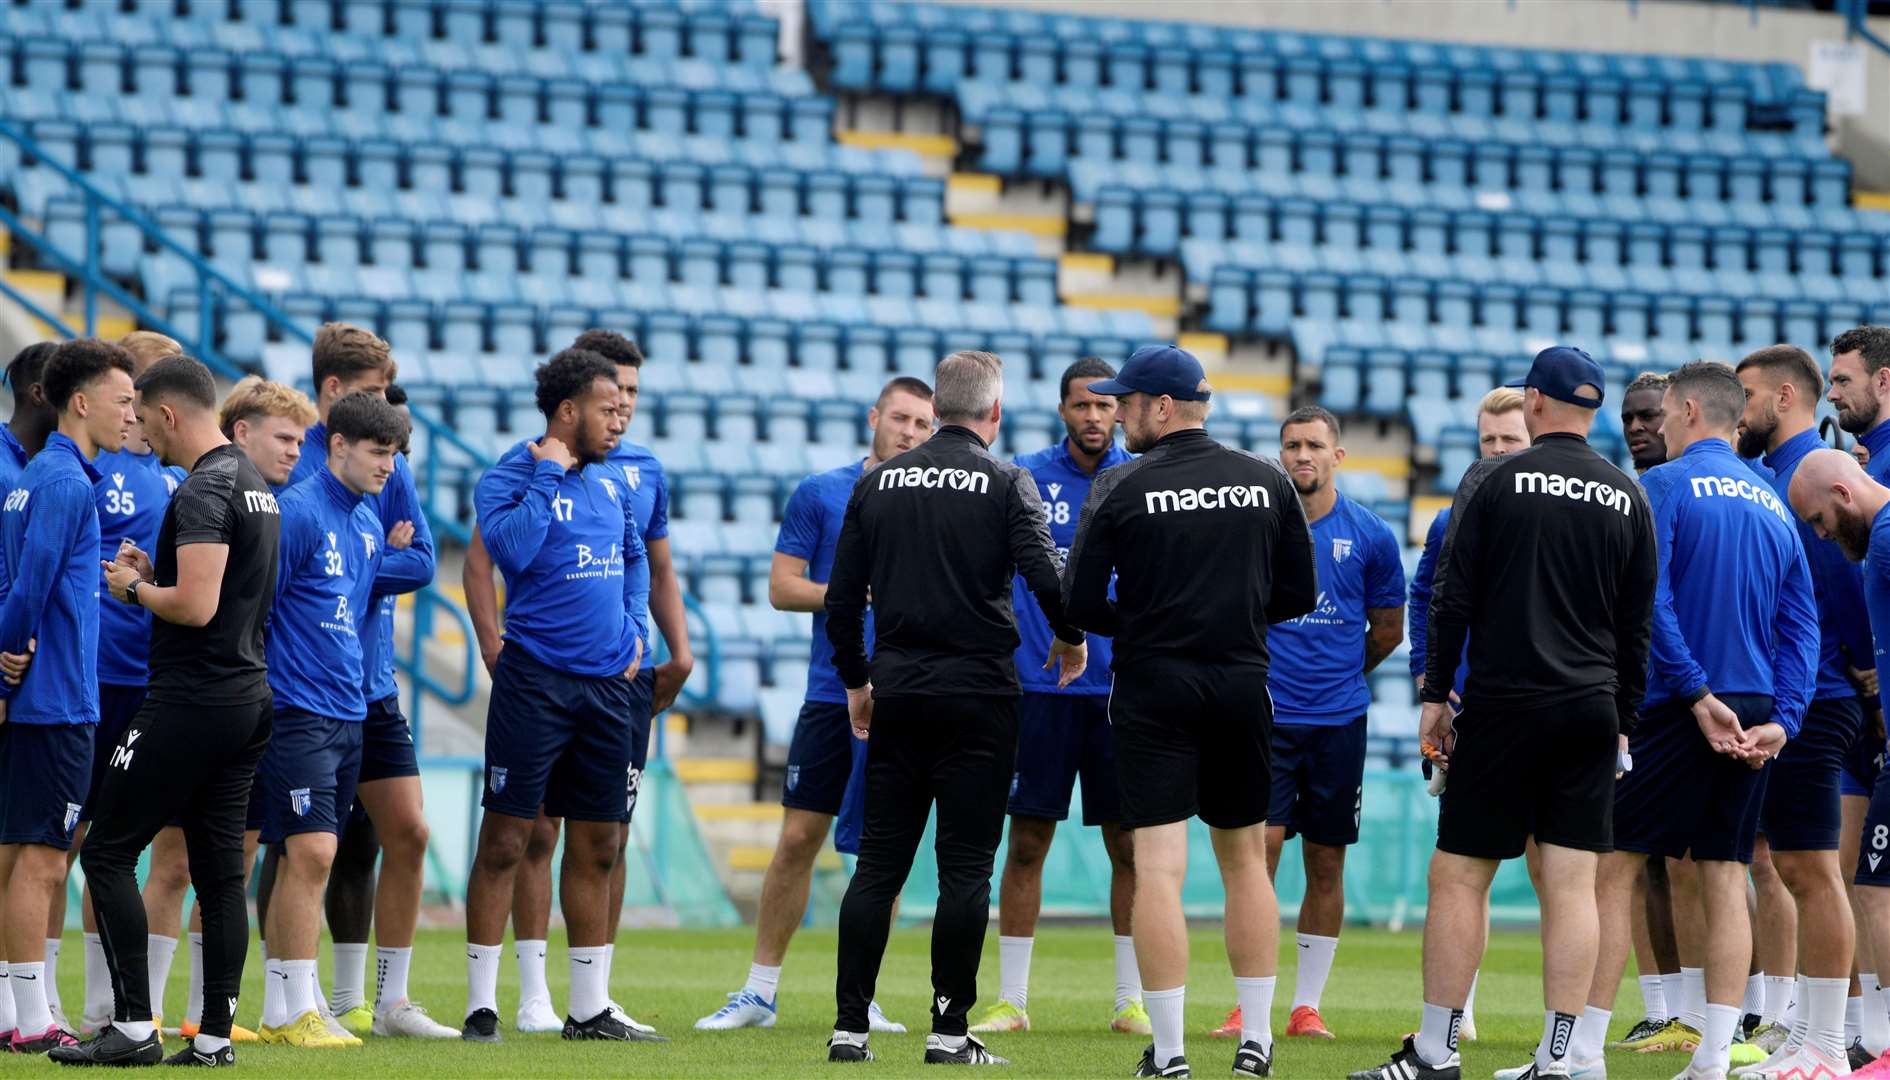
(1727, 31)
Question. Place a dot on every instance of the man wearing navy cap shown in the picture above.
(1548, 568)
(1207, 546)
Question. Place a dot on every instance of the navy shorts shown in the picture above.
(1059, 737)
(116, 706)
(1681, 798)
(819, 759)
(45, 773)
(852, 820)
(1545, 772)
(1800, 810)
(387, 742)
(1873, 856)
(1865, 760)
(642, 692)
(557, 741)
(308, 775)
(1319, 781)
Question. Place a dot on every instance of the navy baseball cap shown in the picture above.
(1558, 370)
(1158, 369)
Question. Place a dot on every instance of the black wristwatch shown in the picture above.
(131, 592)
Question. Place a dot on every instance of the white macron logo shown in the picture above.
(1232, 497)
(1575, 489)
(1729, 488)
(931, 476)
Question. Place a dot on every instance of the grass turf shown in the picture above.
(670, 978)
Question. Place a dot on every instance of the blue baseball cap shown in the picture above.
(1559, 370)
(1158, 369)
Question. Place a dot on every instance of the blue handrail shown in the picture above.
(1857, 22)
(425, 603)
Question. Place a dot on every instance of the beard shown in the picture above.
(1138, 443)
(1755, 440)
(1093, 442)
(586, 439)
(1858, 419)
(1309, 488)
(1853, 537)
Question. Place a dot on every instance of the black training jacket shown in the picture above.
(938, 533)
(1208, 543)
(1549, 567)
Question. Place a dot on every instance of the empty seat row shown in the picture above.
(893, 46)
(716, 35)
(161, 74)
(1455, 313)
(1257, 231)
(516, 332)
(385, 172)
(237, 238)
(1239, 154)
(1404, 94)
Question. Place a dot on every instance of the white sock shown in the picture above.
(1883, 1002)
(159, 952)
(52, 975)
(1755, 996)
(1164, 1017)
(275, 994)
(1128, 975)
(350, 976)
(1437, 1035)
(1827, 1006)
(610, 961)
(298, 988)
(1014, 969)
(1778, 998)
(764, 981)
(7, 1020)
(1875, 1025)
(390, 976)
(1715, 1049)
(193, 1004)
(98, 981)
(135, 1030)
(31, 1013)
(1853, 1019)
(1469, 1004)
(482, 975)
(1653, 1001)
(531, 973)
(1591, 1034)
(590, 993)
(1256, 1009)
(1315, 964)
(1800, 1012)
(1673, 988)
(1558, 1037)
(1693, 1000)
(208, 1044)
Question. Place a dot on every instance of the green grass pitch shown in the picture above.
(670, 978)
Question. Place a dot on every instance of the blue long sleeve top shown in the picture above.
(406, 570)
(49, 533)
(330, 550)
(1733, 607)
(577, 580)
(1837, 584)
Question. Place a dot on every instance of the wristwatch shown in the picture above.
(131, 592)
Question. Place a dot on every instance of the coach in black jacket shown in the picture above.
(936, 536)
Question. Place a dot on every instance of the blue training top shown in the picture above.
(810, 530)
(1877, 595)
(1418, 610)
(406, 570)
(49, 533)
(1836, 583)
(1319, 678)
(1877, 441)
(577, 581)
(1063, 486)
(132, 491)
(1733, 608)
(330, 550)
(13, 458)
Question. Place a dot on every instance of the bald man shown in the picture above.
(1833, 495)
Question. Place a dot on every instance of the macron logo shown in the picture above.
(1232, 497)
(259, 502)
(931, 476)
(1575, 489)
(1728, 488)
